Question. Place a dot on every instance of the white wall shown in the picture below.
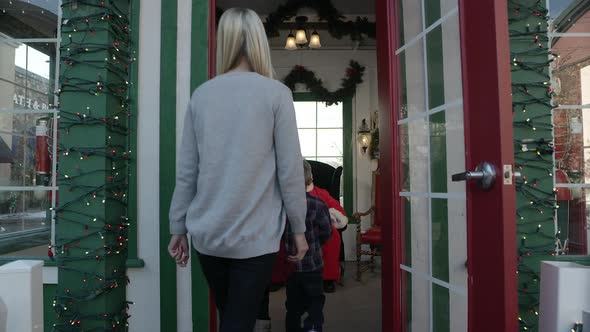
(183, 95)
(330, 66)
(144, 289)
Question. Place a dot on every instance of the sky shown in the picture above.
(38, 62)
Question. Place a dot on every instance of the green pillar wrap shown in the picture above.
(92, 211)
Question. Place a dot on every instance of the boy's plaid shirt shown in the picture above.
(318, 231)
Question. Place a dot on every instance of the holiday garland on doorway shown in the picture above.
(337, 26)
(301, 75)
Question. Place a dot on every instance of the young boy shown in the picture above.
(305, 292)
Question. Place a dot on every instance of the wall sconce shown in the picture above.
(364, 137)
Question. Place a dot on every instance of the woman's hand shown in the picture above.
(178, 249)
(301, 245)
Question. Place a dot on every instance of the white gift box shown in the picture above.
(21, 290)
(565, 295)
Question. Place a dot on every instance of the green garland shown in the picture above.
(337, 26)
(354, 77)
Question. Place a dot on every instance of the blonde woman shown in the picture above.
(239, 173)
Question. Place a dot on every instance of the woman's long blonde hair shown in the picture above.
(241, 33)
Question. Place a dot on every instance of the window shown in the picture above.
(28, 73)
(570, 81)
(320, 130)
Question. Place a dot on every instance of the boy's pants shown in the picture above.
(263, 312)
(305, 293)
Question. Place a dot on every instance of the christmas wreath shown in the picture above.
(354, 76)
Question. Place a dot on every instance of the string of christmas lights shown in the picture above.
(534, 150)
(92, 217)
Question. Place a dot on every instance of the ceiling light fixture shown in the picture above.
(299, 40)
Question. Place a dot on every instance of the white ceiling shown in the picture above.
(263, 7)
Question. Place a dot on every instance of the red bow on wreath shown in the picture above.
(351, 72)
(299, 68)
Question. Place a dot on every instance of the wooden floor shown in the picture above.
(354, 307)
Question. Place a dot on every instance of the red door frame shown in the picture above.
(386, 21)
(491, 227)
(488, 114)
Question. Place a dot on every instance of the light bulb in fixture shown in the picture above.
(364, 137)
(301, 37)
(290, 44)
(314, 40)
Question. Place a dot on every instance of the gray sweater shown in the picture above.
(240, 170)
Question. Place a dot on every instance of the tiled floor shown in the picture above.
(354, 307)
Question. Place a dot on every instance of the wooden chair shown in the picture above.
(372, 236)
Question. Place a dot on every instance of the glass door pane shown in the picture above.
(432, 140)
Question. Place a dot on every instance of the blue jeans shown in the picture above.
(237, 286)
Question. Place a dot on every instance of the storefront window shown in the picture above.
(570, 83)
(28, 73)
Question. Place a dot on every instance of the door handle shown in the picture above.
(484, 173)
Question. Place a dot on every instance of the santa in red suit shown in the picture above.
(331, 249)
